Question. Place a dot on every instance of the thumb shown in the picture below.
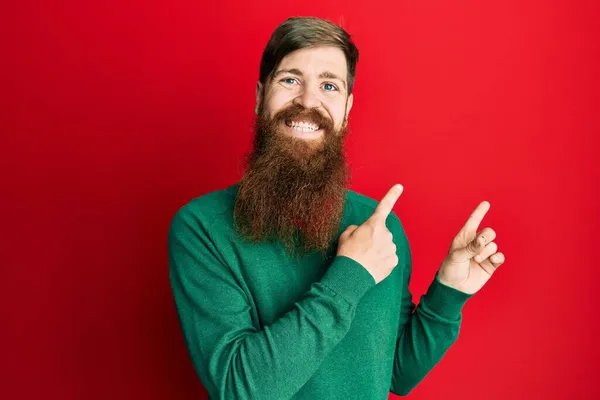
(349, 230)
(473, 248)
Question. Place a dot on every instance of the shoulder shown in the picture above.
(202, 211)
(361, 201)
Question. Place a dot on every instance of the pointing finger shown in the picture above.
(476, 217)
(385, 206)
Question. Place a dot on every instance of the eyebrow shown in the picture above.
(322, 75)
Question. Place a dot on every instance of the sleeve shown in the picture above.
(233, 358)
(426, 331)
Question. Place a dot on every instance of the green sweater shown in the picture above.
(261, 325)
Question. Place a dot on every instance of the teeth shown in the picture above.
(304, 126)
(303, 130)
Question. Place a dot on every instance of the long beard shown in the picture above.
(293, 190)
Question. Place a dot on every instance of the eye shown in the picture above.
(329, 87)
(289, 81)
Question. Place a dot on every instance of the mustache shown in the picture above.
(296, 111)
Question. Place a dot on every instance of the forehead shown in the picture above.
(315, 60)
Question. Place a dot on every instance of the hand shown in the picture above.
(473, 257)
(371, 244)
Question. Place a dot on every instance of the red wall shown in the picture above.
(114, 114)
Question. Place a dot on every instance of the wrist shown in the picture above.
(442, 279)
(444, 300)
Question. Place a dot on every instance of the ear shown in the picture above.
(349, 103)
(259, 93)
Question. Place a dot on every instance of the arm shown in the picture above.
(426, 331)
(233, 358)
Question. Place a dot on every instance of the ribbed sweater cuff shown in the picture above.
(445, 301)
(348, 278)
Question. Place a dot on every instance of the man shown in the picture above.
(290, 286)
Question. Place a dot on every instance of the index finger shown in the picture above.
(385, 206)
(476, 217)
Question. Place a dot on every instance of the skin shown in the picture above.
(470, 263)
(473, 256)
(295, 181)
(316, 78)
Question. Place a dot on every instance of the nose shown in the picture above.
(308, 98)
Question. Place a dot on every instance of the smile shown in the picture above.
(302, 126)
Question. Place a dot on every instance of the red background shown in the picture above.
(114, 114)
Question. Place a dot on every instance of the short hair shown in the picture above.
(300, 32)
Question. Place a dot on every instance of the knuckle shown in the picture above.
(493, 247)
(489, 233)
(471, 248)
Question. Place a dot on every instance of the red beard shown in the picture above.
(293, 189)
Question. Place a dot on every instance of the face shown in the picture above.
(298, 163)
(312, 79)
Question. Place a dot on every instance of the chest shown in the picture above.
(274, 282)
